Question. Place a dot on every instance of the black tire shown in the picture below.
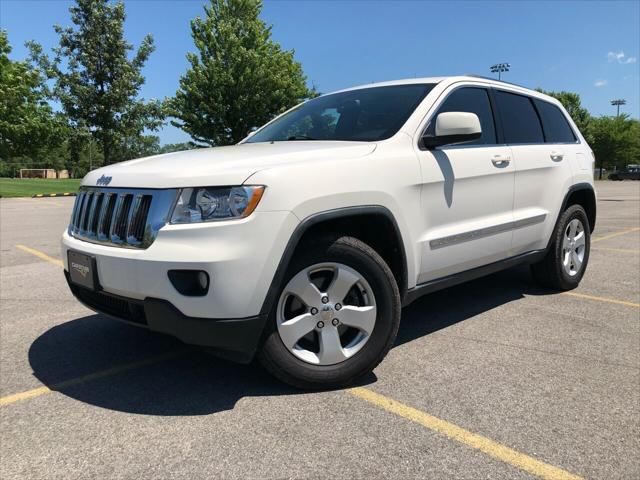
(549, 272)
(284, 365)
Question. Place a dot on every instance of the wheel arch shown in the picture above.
(349, 221)
(584, 195)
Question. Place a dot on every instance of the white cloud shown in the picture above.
(600, 83)
(620, 57)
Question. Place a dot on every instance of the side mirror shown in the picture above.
(251, 133)
(453, 127)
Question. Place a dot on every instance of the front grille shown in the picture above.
(119, 307)
(120, 217)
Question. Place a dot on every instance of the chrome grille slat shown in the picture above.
(85, 208)
(120, 217)
(133, 211)
(104, 211)
(78, 213)
(137, 228)
(108, 218)
(120, 224)
(116, 213)
(76, 209)
(95, 206)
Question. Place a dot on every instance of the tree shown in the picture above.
(240, 77)
(96, 82)
(572, 103)
(28, 125)
(141, 146)
(178, 147)
(615, 141)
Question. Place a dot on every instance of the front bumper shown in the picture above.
(235, 339)
(240, 257)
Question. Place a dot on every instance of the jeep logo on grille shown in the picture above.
(103, 180)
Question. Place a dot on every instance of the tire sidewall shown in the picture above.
(369, 264)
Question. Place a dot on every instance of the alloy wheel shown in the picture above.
(573, 247)
(326, 313)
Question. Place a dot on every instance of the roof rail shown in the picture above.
(493, 79)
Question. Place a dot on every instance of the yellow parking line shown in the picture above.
(16, 397)
(470, 439)
(39, 254)
(602, 299)
(36, 392)
(617, 234)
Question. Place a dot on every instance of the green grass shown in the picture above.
(26, 187)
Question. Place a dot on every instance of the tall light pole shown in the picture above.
(499, 68)
(617, 102)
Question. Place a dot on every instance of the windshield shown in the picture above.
(366, 115)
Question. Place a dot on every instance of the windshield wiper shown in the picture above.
(300, 137)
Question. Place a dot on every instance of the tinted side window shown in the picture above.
(519, 119)
(556, 127)
(473, 100)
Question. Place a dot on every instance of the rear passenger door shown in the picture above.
(542, 165)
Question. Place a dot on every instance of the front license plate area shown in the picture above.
(82, 270)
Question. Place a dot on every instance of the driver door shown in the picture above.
(467, 194)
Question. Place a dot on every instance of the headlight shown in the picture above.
(205, 204)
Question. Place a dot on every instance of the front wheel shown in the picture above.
(336, 318)
(564, 264)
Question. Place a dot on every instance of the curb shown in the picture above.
(42, 195)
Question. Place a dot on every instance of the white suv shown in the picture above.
(301, 244)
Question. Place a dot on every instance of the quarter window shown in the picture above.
(520, 121)
(472, 100)
(555, 124)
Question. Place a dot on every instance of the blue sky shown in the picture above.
(589, 47)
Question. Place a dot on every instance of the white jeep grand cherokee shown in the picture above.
(301, 244)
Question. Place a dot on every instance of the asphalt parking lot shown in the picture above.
(493, 379)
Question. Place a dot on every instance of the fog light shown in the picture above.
(203, 280)
(192, 283)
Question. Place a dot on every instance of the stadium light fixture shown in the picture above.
(617, 102)
(499, 68)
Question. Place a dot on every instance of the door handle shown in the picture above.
(501, 161)
(556, 156)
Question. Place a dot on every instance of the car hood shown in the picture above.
(230, 165)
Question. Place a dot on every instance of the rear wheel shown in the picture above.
(336, 318)
(565, 263)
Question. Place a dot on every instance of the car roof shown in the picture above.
(454, 79)
(405, 81)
